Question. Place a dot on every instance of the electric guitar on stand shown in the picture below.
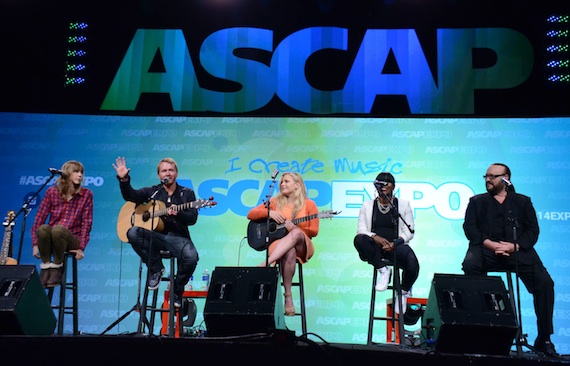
(257, 230)
(148, 215)
(7, 241)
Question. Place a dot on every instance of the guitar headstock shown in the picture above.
(328, 214)
(201, 203)
(9, 219)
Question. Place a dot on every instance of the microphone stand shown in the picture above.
(26, 210)
(395, 215)
(399, 215)
(143, 319)
(520, 337)
(268, 222)
(137, 307)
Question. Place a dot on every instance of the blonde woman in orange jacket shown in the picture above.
(291, 202)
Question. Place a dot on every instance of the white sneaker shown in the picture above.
(405, 296)
(383, 280)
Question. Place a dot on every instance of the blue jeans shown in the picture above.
(149, 250)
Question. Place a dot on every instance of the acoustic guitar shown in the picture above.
(7, 241)
(149, 215)
(258, 232)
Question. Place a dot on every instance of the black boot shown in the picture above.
(546, 347)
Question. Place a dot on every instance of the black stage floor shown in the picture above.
(258, 349)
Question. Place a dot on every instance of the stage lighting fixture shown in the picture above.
(75, 65)
(558, 49)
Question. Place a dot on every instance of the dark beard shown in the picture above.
(494, 190)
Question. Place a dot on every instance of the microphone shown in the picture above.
(507, 182)
(158, 187)
(274, 174)
(380, 183)
(55, 171)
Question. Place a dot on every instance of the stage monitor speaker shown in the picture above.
(242, 300)
(24, 306)
(469, 314)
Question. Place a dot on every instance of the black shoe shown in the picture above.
(546, 347)
(154, 279)
(177, 300)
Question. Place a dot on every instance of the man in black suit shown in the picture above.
(502, 229)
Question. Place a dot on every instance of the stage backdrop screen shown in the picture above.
(438, 165)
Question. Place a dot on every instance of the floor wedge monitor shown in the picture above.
(243, 300)
(469, 314)
(24, 306)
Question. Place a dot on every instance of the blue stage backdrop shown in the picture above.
(438, 165)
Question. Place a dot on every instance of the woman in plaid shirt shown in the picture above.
(70, 210)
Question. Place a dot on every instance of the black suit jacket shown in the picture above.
(522, 215)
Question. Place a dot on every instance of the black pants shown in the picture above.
(180, 247)
(480, 260)
(405, 257)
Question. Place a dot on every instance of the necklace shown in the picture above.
(384, 209)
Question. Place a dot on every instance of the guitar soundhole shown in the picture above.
(146, 216)
(272, 227)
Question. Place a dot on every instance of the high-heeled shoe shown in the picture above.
(289, 310)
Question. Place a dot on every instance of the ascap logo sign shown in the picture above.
(448, 87)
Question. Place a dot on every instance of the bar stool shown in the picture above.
(396, 291)
(66, 284)
(511, 290)
(153, 307)
(301, 289)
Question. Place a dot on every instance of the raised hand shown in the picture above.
(120, 166)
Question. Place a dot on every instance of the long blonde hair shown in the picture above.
(64, 185)
(299, 195)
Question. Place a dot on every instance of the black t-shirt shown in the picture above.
(383, 224)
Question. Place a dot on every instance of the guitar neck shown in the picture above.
(6, 245)
(303, 219)
(180, 207)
